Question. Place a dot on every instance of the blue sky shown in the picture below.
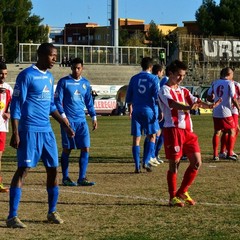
(57, 13)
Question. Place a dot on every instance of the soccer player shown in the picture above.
(235, 114)
(5, 98)
(32, 135)
(176, 103)
(142, 94)
(72, 94)
(157, 70)
(222, 115)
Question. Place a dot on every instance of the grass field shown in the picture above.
(124, 205)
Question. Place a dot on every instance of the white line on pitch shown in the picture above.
(134, 197)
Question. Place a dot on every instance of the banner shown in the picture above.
(221, 50)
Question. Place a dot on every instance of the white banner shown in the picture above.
(221, 50)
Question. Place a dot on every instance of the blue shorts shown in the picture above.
(81, 138)
(35, 146)
(144, 121)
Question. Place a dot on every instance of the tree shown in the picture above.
(222, 19)
(154, 36)
(136, 39)
(17, 25)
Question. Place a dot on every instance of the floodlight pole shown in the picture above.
(114, 26)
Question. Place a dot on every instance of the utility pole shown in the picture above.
(114, 25)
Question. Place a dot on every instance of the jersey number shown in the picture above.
(141, 86)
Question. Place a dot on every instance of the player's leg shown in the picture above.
(82, 138)
(67, 144)
(50, 159)
(26, 150)
(173, 152)
(191, 147)
(2, 148)
(136, 152)
(14, 198)
(66, 181)
(136, 132)
(223, 148)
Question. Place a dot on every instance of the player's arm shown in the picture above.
(56, 115)
(88, 100)
(236, 104)
(204, 105)
(178, 106)
(15, 140)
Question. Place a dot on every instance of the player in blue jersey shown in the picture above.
(73, 94)
(141, 98)
(32, 135)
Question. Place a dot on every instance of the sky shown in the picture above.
(57, 13)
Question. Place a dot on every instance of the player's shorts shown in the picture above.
(2, 140)
(81, 138)
(178, 142)
(235, 118)
(144, 121)
(35, 146)
(223, 124)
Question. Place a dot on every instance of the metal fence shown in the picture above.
(92, 54)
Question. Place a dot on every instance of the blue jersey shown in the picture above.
(142, 91)
(72, 96)
(33, 100)
(163, 81)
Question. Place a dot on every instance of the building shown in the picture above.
(93, 34)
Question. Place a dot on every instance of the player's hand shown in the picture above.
(69, 131)
(217, 103)
(6, 116)
(14, 141)
(94, 125)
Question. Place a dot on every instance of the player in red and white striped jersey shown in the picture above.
(222, 115)
(179, 139)
(235, 114)
(5, 98)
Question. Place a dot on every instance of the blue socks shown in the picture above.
(64, 165)
(15, 197)
(52, 198)
(136, 156)
(83, 164)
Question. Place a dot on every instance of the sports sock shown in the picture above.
(158, 145)
(230, 145)
(224, 140)
(188, 178)
(215, 142)
(83, 164)
(136, 156)
(52, 198)
(64, 164)
(172, 184)
(15, 197)
(149, 149)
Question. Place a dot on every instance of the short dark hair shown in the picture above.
(225, 72)
(77, 61)
(45, 48)
(3, 66)
(156, 68)
(146, 63)
(177, 65)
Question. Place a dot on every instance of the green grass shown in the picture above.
(124, 205)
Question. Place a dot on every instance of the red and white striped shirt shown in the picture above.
(5, 99)
(173, 117)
